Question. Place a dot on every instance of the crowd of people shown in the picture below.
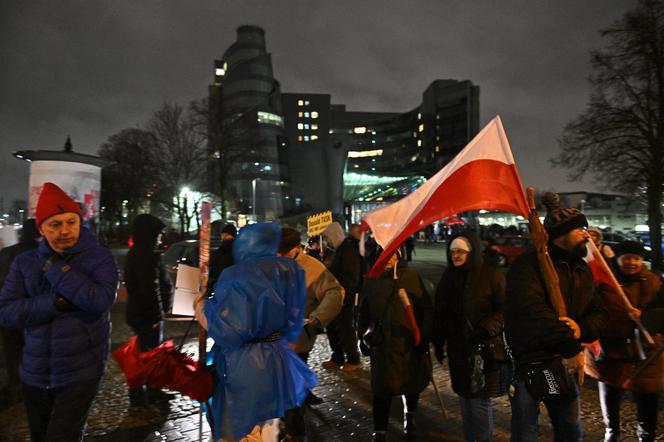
(268, 299)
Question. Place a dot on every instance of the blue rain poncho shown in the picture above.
(260, 295)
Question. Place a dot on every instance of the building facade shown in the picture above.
(301, 152)
(352, 161)
(246, 129)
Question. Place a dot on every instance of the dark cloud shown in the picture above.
(92, 68)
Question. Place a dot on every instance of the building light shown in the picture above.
(421, 128)
(365, 153)
(300, 126)
(419, 116)
(419, 143)
(270, 118)
(314, 127)
(437, 148)
(413, 158)
(314, 114)
(300, 102)
(360, 130)
(219, 72)
(306, 115)
(299, 114)
(306, 138)
(414, 134)
(306, 126)
(306, 102)
(299, 138)
(314, 137)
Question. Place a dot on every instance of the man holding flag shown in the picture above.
(543, 344)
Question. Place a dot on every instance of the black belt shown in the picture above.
(269, 338)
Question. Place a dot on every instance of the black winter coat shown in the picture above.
(397, 366)
(348, 266)
(469, 311)
(533, 330)
(221, 258)
(8, 254)
(149, 287)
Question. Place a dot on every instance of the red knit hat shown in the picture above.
(54, 201)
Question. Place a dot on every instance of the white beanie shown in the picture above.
(461, 243)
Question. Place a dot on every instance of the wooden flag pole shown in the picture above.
(203, 263)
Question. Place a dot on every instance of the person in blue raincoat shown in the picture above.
(256, 310)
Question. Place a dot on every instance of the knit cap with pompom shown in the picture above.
(560, 220)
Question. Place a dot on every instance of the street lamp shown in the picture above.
(253, 194)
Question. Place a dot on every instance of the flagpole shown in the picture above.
(203, 262)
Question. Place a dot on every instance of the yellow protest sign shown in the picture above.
(317, 223)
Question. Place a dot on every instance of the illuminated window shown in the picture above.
(314, 137)
(419, 116)
(306, 138)
(300, 102)
(314, 127)
(414, 134)
(314, 114)
(419, 143)
(421, 128)
(306, 102)
(365, 153)
(306, 126)
(300, 126)
(270, 118)
(299, 114)
(299, 138)
(306, 115)
(437, 137)
(437, 148)
(360, 130)
(437, 117)
(413, 158)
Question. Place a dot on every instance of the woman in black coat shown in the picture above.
(398, 365)
(469, 319)
(149, 289)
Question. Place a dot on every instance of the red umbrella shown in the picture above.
(452, 220)
(164, 367)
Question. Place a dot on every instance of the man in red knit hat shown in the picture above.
(60, 294)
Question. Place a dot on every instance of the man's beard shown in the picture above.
(580, 249)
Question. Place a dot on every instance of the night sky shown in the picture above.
(92, 68)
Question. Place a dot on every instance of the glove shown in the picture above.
(63, 304)
(364, 349)
(50, 261)
(439, 351)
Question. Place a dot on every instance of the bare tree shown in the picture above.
(181, 159)
(129, 180)
(619, 138)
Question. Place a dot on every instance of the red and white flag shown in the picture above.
(601, 271)
(482, 176)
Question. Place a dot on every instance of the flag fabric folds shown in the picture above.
(482, 176)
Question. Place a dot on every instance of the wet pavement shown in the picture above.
(345, 414)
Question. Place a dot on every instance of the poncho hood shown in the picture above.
(256, 240)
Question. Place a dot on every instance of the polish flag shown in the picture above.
(601, 272)
(482, 176)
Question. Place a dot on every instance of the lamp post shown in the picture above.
(253, 196)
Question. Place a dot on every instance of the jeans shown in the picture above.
(342, 336)
(477, 417)
(564, 411)
(381, 409)
(59, 414)
(610, 398)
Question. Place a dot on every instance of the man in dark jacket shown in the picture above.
(222, 257)
(61, 294)
(12, 339)
(545, 347)
(348, 267)
(149, 288)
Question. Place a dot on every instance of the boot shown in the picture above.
(379, 436)
(409, 427)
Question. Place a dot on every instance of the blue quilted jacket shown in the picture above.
(61, 348)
